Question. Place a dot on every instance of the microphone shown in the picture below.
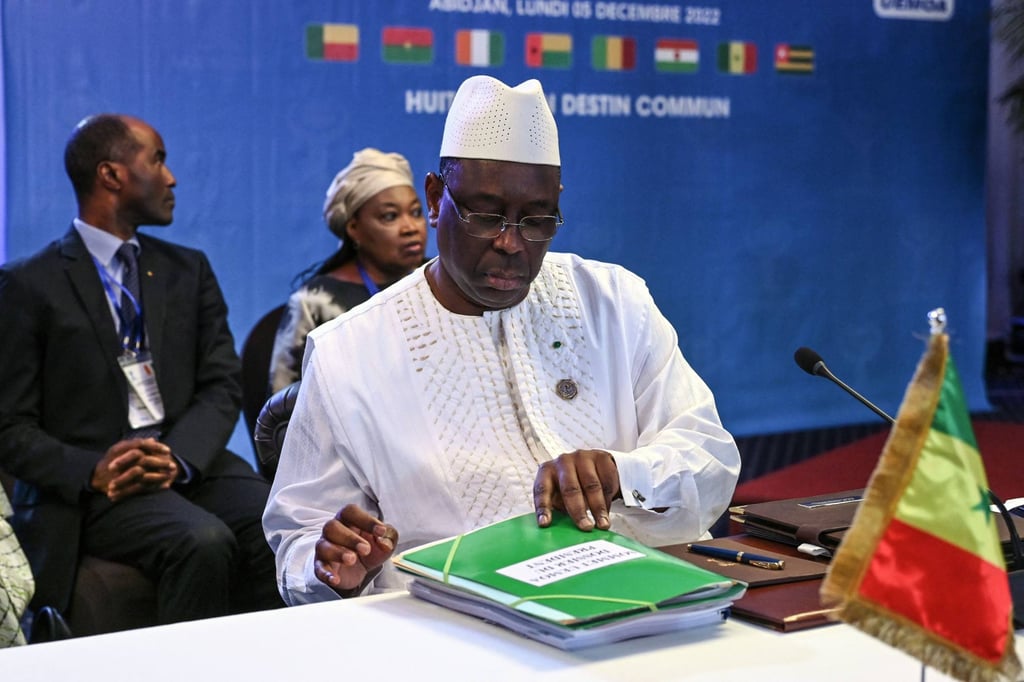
(812, 363)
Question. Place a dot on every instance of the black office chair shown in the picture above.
(271, 424)
(256, 351)
(106, 597)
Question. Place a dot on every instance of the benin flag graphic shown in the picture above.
(795, 59)
(549, 50)
(402, 45)
(737, 57)
(672, 55)
(613, 53)
(479, 48)
(332, 42)
(921, 568)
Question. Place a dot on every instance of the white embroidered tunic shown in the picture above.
(437, 422)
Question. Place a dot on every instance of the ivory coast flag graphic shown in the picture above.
(921, 568)
(549, 50)
(737, 57)
(479, 47)
(672, 55)
(404, 45)
(332, 42)
(613, 53)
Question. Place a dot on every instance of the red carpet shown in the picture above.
(851, 465)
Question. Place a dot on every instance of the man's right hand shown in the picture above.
(352, 547)
(133, 467)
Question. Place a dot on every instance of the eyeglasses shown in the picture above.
(533, 228)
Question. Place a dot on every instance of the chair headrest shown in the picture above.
(271, 426)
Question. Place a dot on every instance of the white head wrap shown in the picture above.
(370, 171)
(490, 120)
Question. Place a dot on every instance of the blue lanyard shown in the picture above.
(131, 339)
(370, 285)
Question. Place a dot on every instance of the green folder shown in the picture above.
(566, 586)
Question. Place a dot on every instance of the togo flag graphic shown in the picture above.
(794, 59)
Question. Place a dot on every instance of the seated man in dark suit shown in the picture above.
(118, 393)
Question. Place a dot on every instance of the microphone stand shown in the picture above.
(1015, 567)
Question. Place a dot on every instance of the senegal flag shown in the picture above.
(737, 57)
(921, 568)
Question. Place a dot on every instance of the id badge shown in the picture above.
(145, 406)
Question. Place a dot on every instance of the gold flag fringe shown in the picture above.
(891, 476)
(927, 647)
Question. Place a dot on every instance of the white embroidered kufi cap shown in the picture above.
(490, 120)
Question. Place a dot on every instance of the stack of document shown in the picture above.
(565, 587)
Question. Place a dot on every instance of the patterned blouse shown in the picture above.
(320, 299)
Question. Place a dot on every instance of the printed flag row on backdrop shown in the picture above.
(484, 47)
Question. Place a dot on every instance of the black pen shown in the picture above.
(758, 560)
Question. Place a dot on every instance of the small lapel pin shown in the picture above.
(567, 389)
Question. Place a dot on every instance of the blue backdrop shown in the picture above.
(766, 209)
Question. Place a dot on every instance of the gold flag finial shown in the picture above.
(937, 321)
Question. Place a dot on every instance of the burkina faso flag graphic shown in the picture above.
(921, 568)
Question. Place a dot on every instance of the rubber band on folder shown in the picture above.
(451, 557)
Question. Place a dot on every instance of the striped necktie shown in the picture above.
(128, 255)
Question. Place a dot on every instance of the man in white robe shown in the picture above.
(495, 380)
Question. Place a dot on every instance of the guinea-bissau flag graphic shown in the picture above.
(549, 50)
(921, 567)
(332, 42)
(613, 53)
(404, 45)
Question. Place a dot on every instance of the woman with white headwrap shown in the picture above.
(373, 208)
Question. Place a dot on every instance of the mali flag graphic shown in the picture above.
(613, 53)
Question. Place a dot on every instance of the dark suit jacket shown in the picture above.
(63, 395)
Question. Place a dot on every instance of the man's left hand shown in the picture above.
(576, 483)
